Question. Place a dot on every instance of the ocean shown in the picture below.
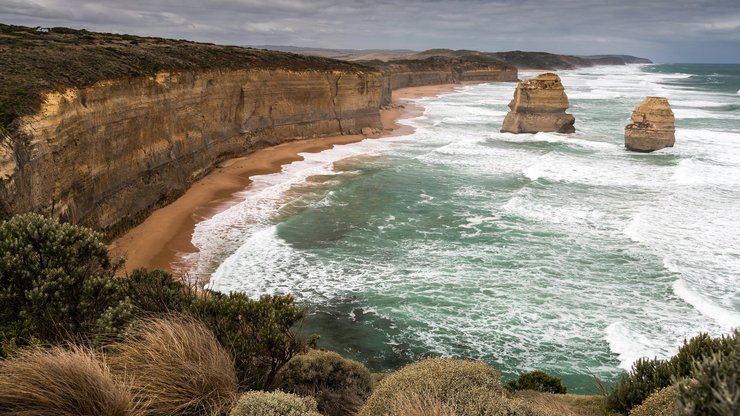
(563, 253)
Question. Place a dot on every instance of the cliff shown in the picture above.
(104, 145)
(653, 126)
(519, 59)
(439, 70)
(539, 105)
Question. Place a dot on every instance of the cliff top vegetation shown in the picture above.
(36, 60)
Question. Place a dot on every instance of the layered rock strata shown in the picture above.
(653, 126)
(105, 156)
(539, 105)
(439, 70)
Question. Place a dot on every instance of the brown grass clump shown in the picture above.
(660, 403)
(339, 385)
(176, 366)
(416, 405)
(467, 387)
(61, 382)
(277, 403)
(563, 404)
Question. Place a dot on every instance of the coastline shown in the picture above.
(158, 241)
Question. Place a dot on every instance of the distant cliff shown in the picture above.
(439, 70)
(101, 129)
(520, 59)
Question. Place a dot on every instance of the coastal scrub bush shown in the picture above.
(468, 387)
(537, 381)
(649, 375)
(418, 405)
(56, 283)
(697, 349)
(61, 382)
(262, 335)
(277, 403)
(175, 367)
(660, 403)
(714, 386)
(340, 386)
(154, 292)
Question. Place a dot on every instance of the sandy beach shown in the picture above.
(166, 233)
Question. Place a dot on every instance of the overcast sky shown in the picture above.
(663, 30)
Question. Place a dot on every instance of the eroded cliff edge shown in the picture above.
(104, 155)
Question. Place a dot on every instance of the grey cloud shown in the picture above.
(665, 30)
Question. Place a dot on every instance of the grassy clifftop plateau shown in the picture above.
(36, 61)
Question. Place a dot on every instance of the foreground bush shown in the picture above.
(660, 403)
(340, 386)
(649, 375)
(61, 382)
(646, 376)
(153, 292)
(260, 403)
(261, 334)
(468, 387)
(537, 381)
(417, 405)
(56, 283)
(714, 387)
(177, 367)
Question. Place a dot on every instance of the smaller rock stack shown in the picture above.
(539, 105)
(653, 126)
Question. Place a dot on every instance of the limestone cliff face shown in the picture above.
(653, 126)
(539, 105)
(106, 155)
(439, 70)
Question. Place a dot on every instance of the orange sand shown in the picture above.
(156, 242)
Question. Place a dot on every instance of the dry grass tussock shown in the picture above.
(563, 404)
(660, 403)
(417, 405)
(176, 366)
(463, 387)
(61, 382)
(276, 403)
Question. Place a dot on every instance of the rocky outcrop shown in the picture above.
(105, 156)
(653, 126)
(539, 105)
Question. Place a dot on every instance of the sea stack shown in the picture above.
(653, 126)
(538, 105)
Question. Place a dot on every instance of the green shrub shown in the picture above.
(646, 376)
(340, 386)
(262, 335)
(61, 382)
(468, 387)
(154, 292)
(277, 403)
(714, 387)
(56, 282)
(537, 381)
(175, 367)
(696, 349)
(660, 403)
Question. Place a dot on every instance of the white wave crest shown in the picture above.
(726, 318)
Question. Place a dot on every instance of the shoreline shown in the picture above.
(160, 240)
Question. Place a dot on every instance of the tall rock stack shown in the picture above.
(539, 104)
(653, 126)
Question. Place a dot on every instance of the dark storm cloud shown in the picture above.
(665, 30)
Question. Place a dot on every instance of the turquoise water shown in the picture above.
(563, 253)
